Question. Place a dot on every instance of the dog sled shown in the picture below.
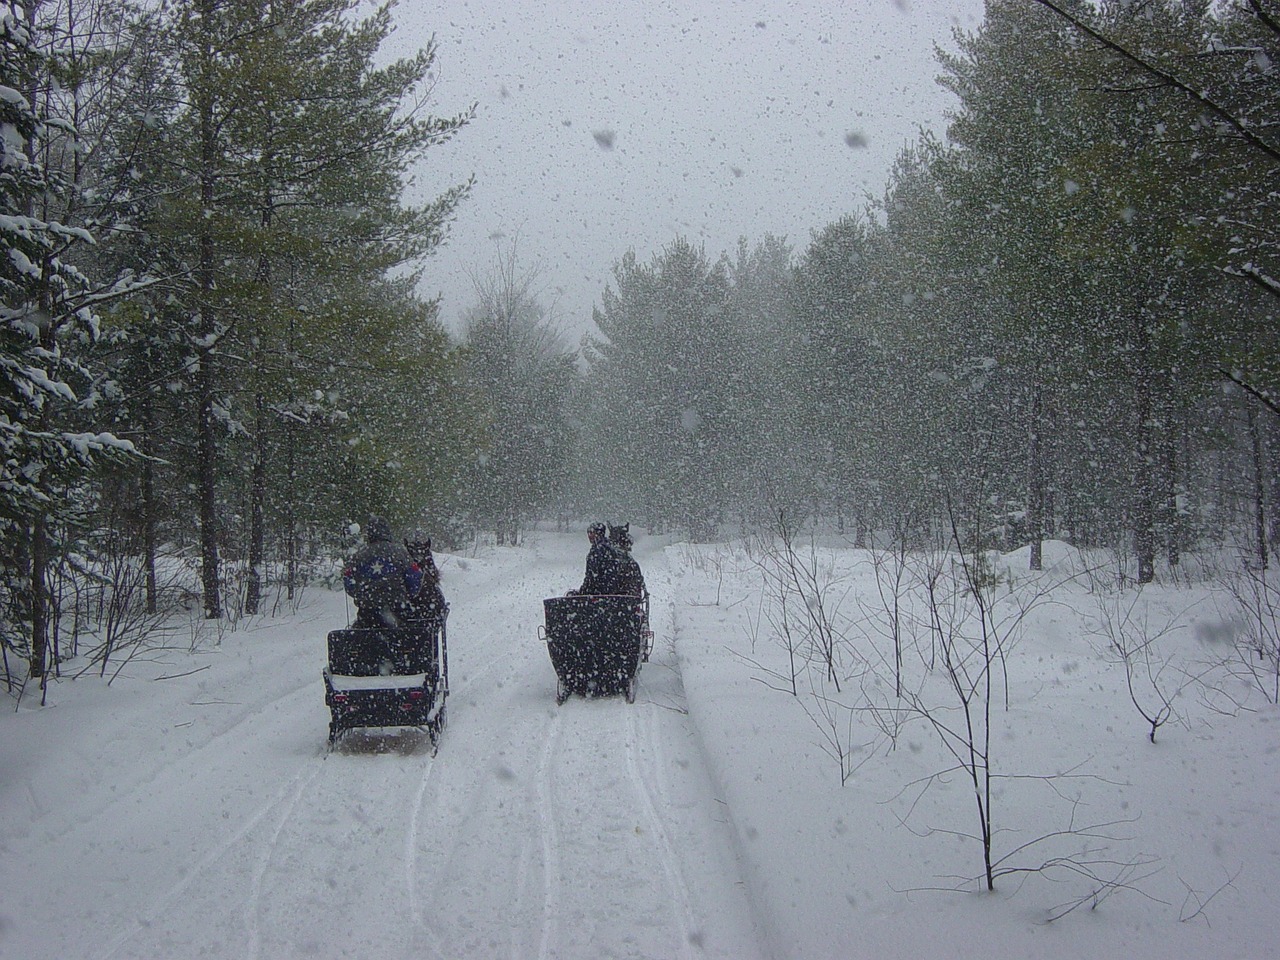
(597, 643)
(388, 677)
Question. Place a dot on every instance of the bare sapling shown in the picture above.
(966, 659)
(801, 601)
(711, 563)
(892, 576)
(775, 599)
(884, 696)
(1151, 678)
(1255, 600)
(810, 591)
(976, 618)
(839, 725)
(1104, 875)
(114, 602)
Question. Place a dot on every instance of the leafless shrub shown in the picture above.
(893, 577)
(838, 723)
(711, 564)
(1194, 904)
(774, 614)
(1133, 641)
(800, 603)
(1255, 600)
(112, 606)
(809, 595)
(273, 584)
(1075, 852)
(932, 645)
(976, 616)
(966, 659)
(883, 706)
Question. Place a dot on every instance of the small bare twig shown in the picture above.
(1202, 903)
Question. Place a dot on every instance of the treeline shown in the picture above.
(1061, 322)
(210, 346)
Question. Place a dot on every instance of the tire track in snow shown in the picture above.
(550, 833)
(411, 844)
(161, 904)
(681, 902)
(253, 906)
(411, 861)
(413, 830)
(761, 942)
(455, 805)
(541, 802)
(147, 786)
(522, 880)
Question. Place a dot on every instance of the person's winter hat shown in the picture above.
(418, 544)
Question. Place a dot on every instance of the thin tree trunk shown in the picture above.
(257, 501)
(1035, 464)
(149, 534)
(148, 505)
(1221, 509)
(1271, 448)
(39, 600)
(1144, 538)
(290, 513)
(1259, 491)
(290, 427)
(1169, 444)
(207, 455)
(39, 573)
(38, 659)
(258, 478)
(207, 449)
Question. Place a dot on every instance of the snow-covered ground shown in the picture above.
(191, 808)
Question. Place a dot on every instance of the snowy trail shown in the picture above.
(566, 799)
(191, 808)
(585, 830)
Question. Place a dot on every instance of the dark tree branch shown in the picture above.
(1253, 391)
(1227, 117)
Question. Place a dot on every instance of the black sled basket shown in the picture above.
(596, 644)
(388, 677)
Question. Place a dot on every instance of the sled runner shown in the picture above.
(596, 644)
(388, 677)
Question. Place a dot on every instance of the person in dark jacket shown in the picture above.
(631, 581)
(630, 577)
(602, 564)
(429, 604)
(381, 578)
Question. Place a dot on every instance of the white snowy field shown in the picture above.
(191, 807)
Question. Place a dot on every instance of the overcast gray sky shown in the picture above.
(604, 127)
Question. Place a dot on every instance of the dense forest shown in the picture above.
(1059, 321)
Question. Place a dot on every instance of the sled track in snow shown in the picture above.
(681, 902)
(549, 833)
(253, 907)
(279, 810)
(287, 795)
(411, 859)
(146, 786)
(413, 831)
(631, 728)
